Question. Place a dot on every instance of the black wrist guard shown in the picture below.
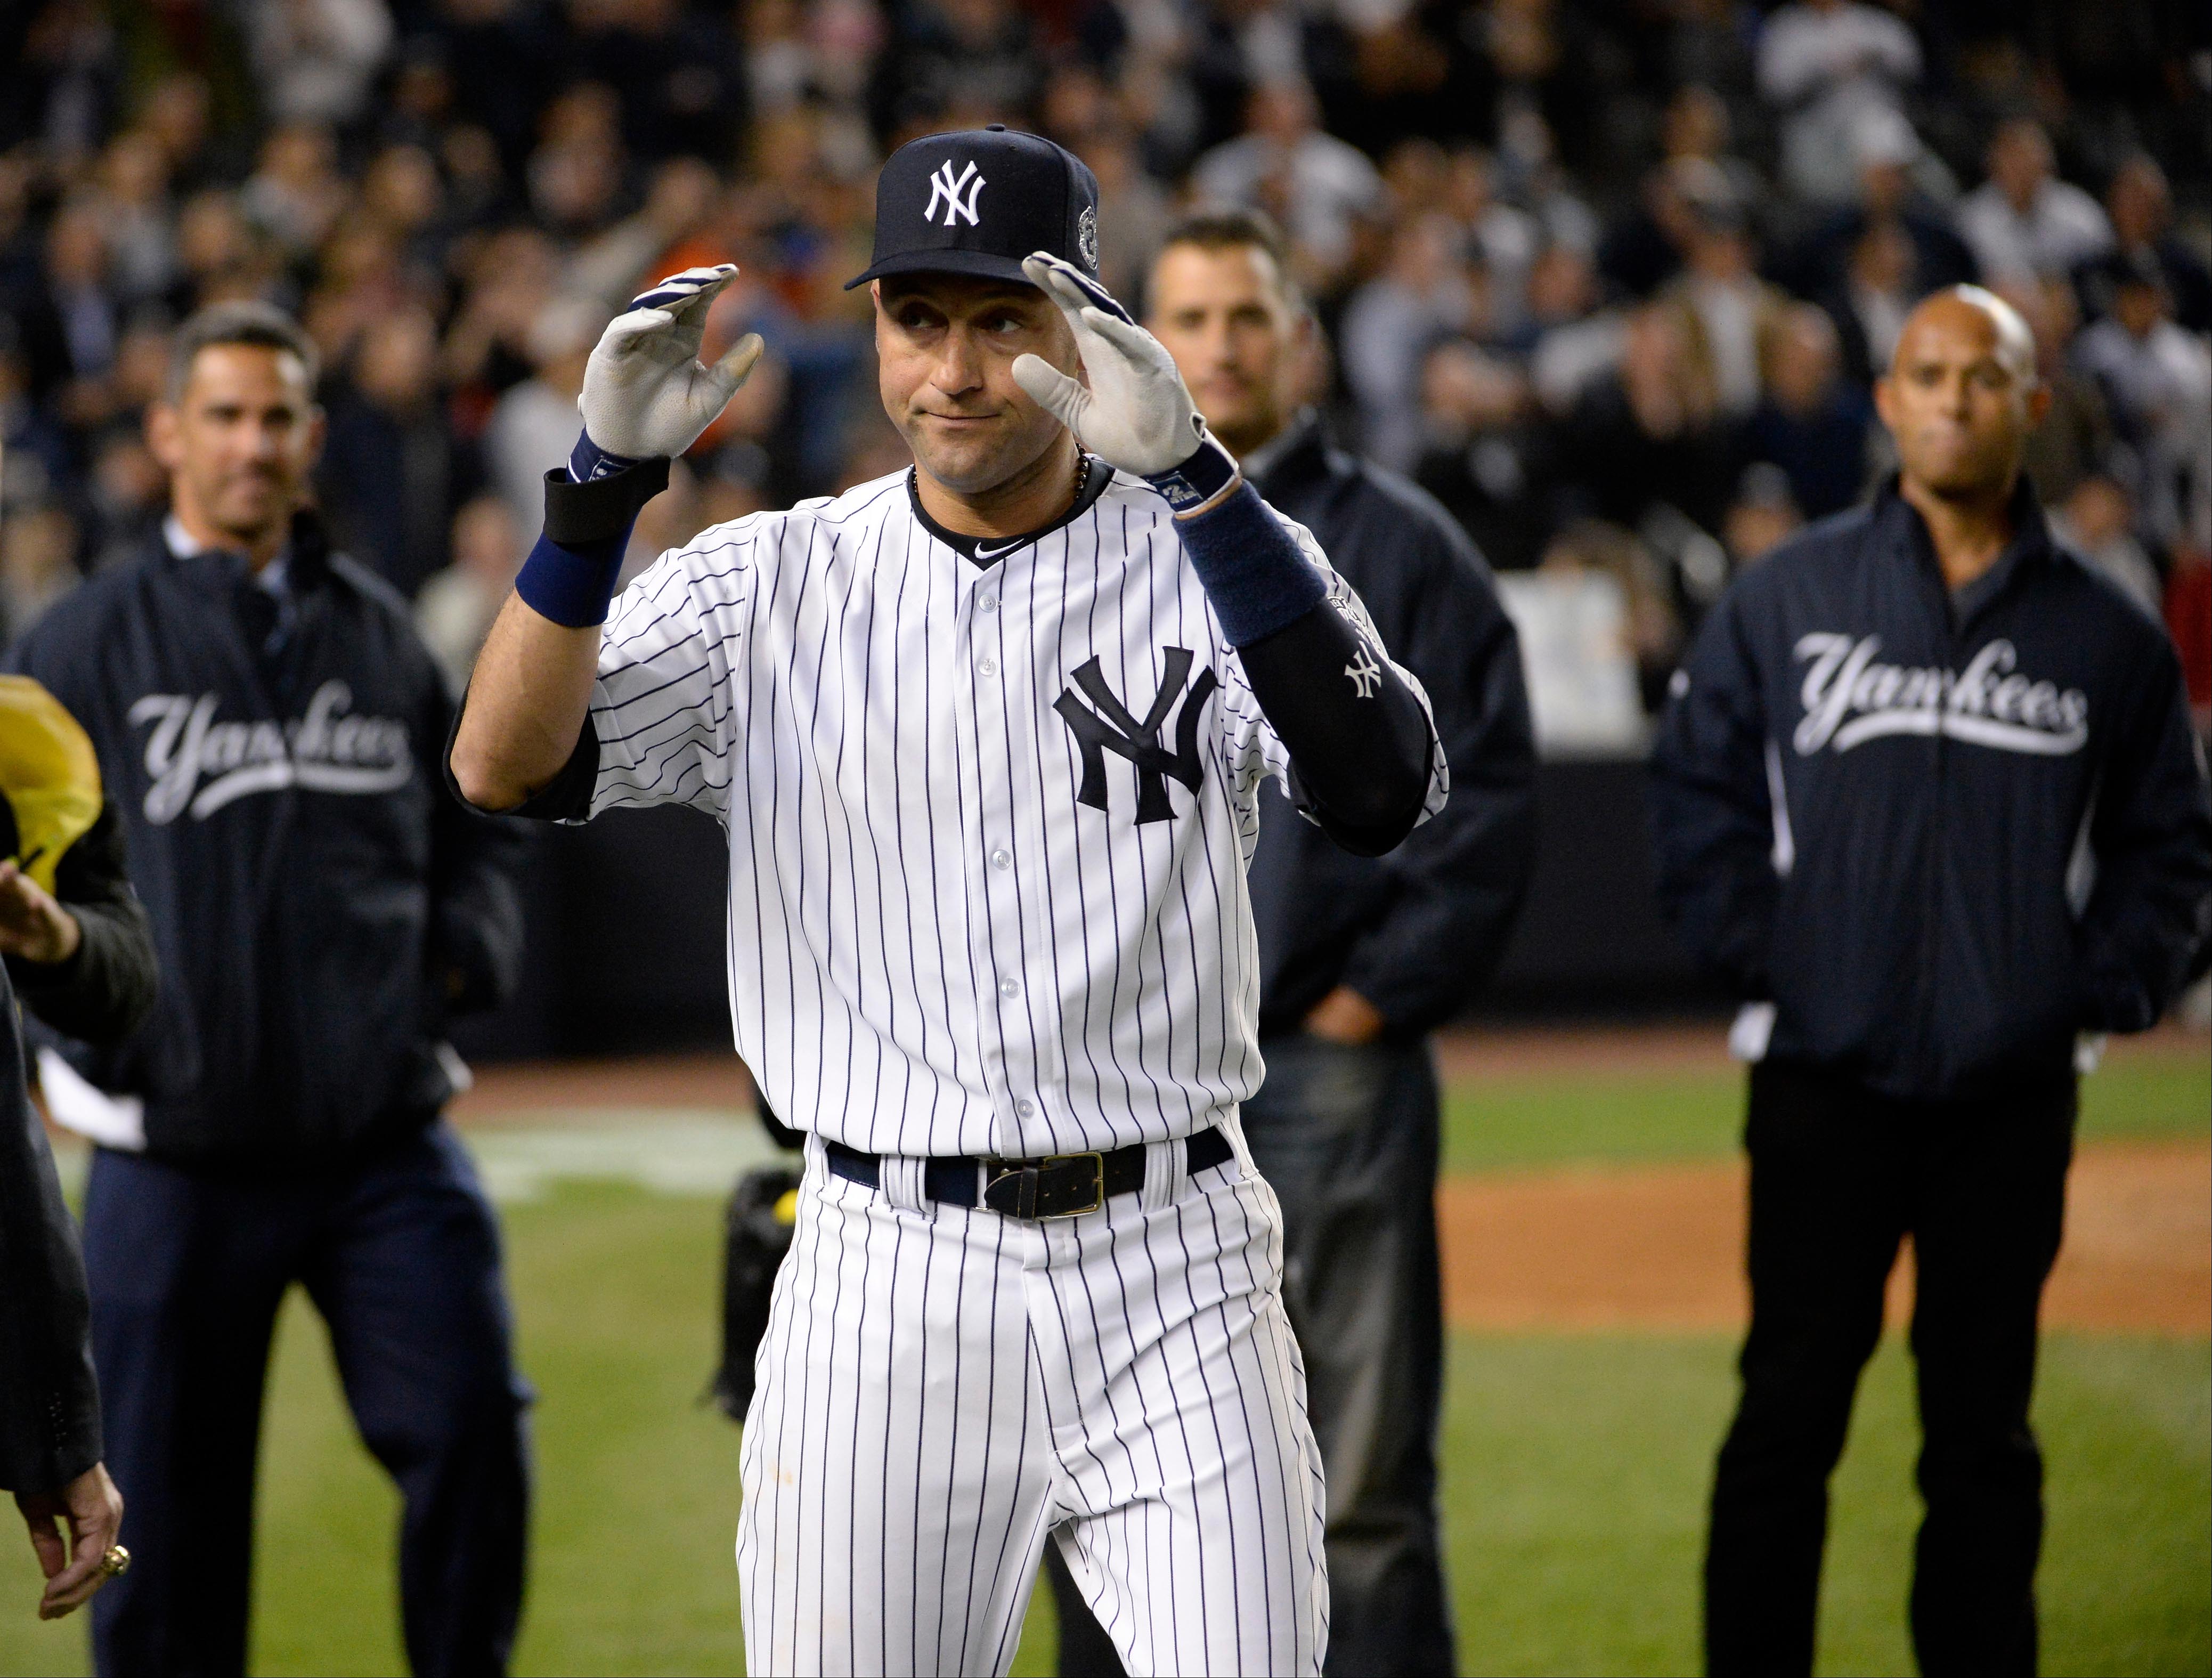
(581, 515)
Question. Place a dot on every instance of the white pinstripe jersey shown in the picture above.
(949, 932)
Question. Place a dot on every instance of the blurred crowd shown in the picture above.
(1610, 277)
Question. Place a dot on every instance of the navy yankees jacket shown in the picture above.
(1415, 931)
(1941, 834)
(319, 902)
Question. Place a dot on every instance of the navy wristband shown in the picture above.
(570, 576)
(1197, 483)
(573, 586)
(587, 461)
(1254, 572)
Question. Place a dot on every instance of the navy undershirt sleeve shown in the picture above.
(1358, 735)
(1360, 765)
(566, 798)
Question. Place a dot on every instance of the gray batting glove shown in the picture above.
(1137, 413)
(646, 392)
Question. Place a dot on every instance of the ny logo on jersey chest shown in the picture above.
(1109, 727)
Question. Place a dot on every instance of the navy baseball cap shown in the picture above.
(978, 201)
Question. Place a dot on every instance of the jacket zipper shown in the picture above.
(1931, 941)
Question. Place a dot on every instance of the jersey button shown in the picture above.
(988, 603)
(1010, 988)
(1025, 1107)
(987, 665)
(1000, 860)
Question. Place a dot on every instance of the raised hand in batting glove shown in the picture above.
(1136, 413)
(646, 392)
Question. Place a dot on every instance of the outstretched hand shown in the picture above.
(71, 1532)
(646, 392)
(32, 924)
(1136, 412)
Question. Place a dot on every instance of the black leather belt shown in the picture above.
(1060, 1185)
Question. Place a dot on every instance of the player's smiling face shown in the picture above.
(241, 439)
(945, 347)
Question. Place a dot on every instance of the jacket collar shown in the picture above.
(2031, 548)
(1299, 456)
(306, 556)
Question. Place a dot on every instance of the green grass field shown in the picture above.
(1576, 1465)
(1504, 1123)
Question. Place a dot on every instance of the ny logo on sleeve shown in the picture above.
(1111, 728)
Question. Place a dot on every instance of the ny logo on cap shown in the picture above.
(943, 188)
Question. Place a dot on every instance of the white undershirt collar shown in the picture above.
(183, 545)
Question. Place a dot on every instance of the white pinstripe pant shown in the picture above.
(941, 1389)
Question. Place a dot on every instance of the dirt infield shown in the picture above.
(1660, 1246)
(538, 1092)
(1651, 1247)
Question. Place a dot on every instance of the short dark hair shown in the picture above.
(1238, 229)
(262, 325)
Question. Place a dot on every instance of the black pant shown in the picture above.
(1839, 1178)
(1347, 1139)
(401, 1257)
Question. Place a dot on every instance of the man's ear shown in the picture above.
(319, 429)
(2039, 405)
(162, 439)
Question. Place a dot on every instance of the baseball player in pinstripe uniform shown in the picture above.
(985, 736)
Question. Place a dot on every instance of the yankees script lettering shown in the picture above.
(325, 751)
(1989, 704)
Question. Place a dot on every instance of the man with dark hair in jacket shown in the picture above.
(1359, 957)
(1927, 796)
(269, 728)
(78, 953)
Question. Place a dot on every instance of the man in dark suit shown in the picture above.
(75, 942)
(50, 1439)
(1359, 957)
